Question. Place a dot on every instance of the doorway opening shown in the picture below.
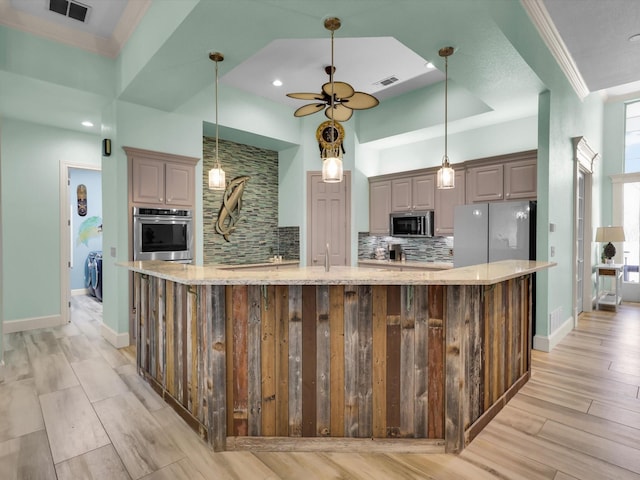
(81, 232)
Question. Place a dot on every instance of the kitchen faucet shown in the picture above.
(327, 261)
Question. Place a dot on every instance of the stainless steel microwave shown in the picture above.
(162, 234)
(412, 224)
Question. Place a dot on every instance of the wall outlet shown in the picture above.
(113, 252)
(451, 252)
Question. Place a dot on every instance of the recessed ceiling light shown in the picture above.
(635, 38)
(429, 65)
(87, 123)
(277, 83)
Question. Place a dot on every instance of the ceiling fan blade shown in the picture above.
(306, 96)
(339, 113)
(360, 101)
(308, 109)
(342, 89)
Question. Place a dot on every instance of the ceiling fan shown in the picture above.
(339, 98)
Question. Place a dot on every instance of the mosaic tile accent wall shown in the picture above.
(257, 236)
(430, 249)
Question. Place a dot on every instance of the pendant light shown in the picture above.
(216, 175)
(446, 175)
(332, 156)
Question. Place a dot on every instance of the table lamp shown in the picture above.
(609, 234)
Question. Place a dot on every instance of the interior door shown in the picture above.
(329, 222)
(580, 243)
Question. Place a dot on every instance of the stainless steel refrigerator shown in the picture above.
(488, 232)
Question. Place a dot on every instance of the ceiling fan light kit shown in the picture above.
(338, 99)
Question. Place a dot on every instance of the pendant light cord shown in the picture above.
(446, 110)
(333, 94)
(217, 157)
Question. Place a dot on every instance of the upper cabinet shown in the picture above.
(485, 184)
(415, 193)
(520, 179)
(379, 206)
(160, 179)
(504, 177)
(446, 201)
(512, 177)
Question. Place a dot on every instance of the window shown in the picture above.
(629, 194)
(631, 223)
(632, 138)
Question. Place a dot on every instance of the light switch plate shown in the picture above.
(113, 252)
(553, 251)
(552, 227)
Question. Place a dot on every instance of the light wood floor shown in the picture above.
(72, 407)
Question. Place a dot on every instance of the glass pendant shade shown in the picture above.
(332, 169)
(446, 175)
(217, 179)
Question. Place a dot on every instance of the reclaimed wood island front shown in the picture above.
(350, 359)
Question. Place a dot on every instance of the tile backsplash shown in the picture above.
(423, 249)
(257, 236)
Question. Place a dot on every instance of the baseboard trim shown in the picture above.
(24, 324)
(79, 291)
(118, 340)
(548, 343)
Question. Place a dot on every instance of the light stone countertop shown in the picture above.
(484, 274)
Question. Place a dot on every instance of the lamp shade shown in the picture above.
(610, 234)
(332, 169)
(217, 179)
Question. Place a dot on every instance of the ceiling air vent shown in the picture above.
(387, 81)
(74, 10)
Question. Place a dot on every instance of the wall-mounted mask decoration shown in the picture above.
(229, 214)
(81, 192)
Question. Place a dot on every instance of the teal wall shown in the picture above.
(1, 258)
(612, 160)
(32, 156)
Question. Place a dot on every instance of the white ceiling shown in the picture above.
(596, 33)
(102, 18)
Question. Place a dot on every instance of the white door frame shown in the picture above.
(584, 156)
(65, 236)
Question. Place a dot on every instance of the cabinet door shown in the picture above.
(179, 184)
(379, 207)
(446, 201)
(148, 181)
(485, 183)
(423, 192)
(401, 200)
(520, 180)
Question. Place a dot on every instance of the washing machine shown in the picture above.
(97, 278)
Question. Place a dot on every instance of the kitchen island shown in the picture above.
(353, 358)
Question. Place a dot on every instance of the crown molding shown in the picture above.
(131, 17)
(107, 47)
(540, 17)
